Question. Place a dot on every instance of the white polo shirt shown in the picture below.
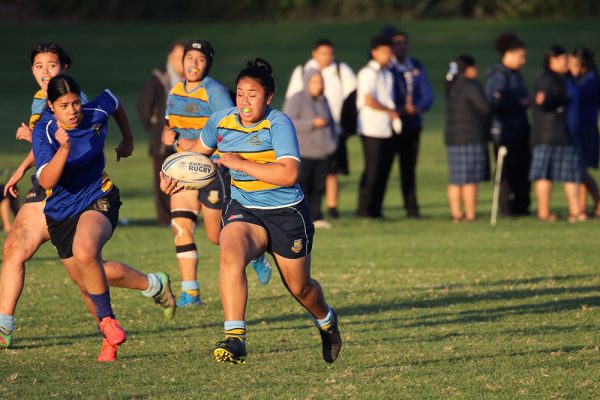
(378, 83)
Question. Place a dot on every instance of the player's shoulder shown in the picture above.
(220, 115)
(178, 89)
(44, 125)
(106, 100)
(211, 83)
(279, 119)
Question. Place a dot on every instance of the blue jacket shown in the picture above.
(422, 91)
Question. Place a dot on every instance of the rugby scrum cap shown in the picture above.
(202, 46)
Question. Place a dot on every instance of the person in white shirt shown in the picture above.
(377, 123)
(340, 81)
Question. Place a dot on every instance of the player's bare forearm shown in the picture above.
(28, 162)
(122, 120)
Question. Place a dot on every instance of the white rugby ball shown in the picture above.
(191, 170)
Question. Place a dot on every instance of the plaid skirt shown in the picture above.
(468, 163)
(556, 164)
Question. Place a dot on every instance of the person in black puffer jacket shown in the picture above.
(466, 137)
(507, 94)
(555, 158)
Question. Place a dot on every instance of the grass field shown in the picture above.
(428, 309)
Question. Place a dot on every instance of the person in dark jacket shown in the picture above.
(584, 72)
(555, 158)
(509, 98)
(466, 137)
(413, 96)
(310, 113)
(151, 108)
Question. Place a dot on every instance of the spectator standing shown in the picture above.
(583, 69)
(315, 128)
(555, 158)
(151, 108)
(414, 96)
(340, 81)
(466, 135)
(509, 98)
(376, 113)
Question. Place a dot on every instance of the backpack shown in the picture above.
(349, 117)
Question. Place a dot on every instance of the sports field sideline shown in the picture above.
(428, 309)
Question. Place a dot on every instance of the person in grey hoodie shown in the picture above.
(315, 128)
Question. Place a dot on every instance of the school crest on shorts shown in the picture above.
(298, 246)
(213, 197)
(101, 205)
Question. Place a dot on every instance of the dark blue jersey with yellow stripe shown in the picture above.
(82, 181)
(269, 140)
(188, 112)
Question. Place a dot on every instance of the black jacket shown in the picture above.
(504, 89)
(151, 108)
(467, 113)
(550, 117)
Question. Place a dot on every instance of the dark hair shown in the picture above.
(457, 68)
(259, 70)
(507, 42)
(391, 31)
(553, 51)
(381, 40)
(61, 85)
(586, 57)
(322, 42)
(49, 47)
(176, 43)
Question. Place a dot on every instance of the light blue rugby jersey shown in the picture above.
(188, 112)
(267, 141)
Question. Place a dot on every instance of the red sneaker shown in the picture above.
(114, 334)
(107, 352)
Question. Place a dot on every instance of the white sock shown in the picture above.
(154, 286)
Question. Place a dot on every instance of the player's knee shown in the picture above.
(300, 290)
(85, 253)
(183, 223)
(15, 251)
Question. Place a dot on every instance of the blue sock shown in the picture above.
(235, 329)
(102, 304)
(7, 323)
(325, 323)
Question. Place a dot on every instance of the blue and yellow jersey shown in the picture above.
(39, 105)
(82, 181)
(267, 141)
(188, 112)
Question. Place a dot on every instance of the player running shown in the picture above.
(266, 211)
(30, 231)
(189, 105)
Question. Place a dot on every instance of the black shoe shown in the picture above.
(333, 213)
(332, 341)
(232, 350)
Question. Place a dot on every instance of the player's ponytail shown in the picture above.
(260, 70)
(49, 47)
(61, 85)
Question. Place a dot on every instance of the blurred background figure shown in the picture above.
(151, 108)
(315, 128)
(466, 136)
(376, 113)
(414, 96)
(583, 69)
(340, 81)
(509, 98)
(555, 158)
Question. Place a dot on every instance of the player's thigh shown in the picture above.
(243, 240)
(212, 223)
(295, 272)
(29, 232)
(185, 200)
(93, 231)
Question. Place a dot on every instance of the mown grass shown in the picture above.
(428, 309)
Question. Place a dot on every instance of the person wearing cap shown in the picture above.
(376, 125)
(339, 81)
(414, 96)
(189, 105)
(151, 109)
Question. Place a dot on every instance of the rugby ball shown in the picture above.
(191, 170)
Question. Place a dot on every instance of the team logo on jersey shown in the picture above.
(192, 108)
(213, 197)
(101, 205)
(255, 140)
(97, 129)
(297, 247)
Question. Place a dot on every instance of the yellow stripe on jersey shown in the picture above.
(252, 186)
(230, 122)
(181, 122)
(263, 157)
(33, 120)
(106, 183)
(40, 95)
(199, 93)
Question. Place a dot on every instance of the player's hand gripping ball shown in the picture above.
(191, 170)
